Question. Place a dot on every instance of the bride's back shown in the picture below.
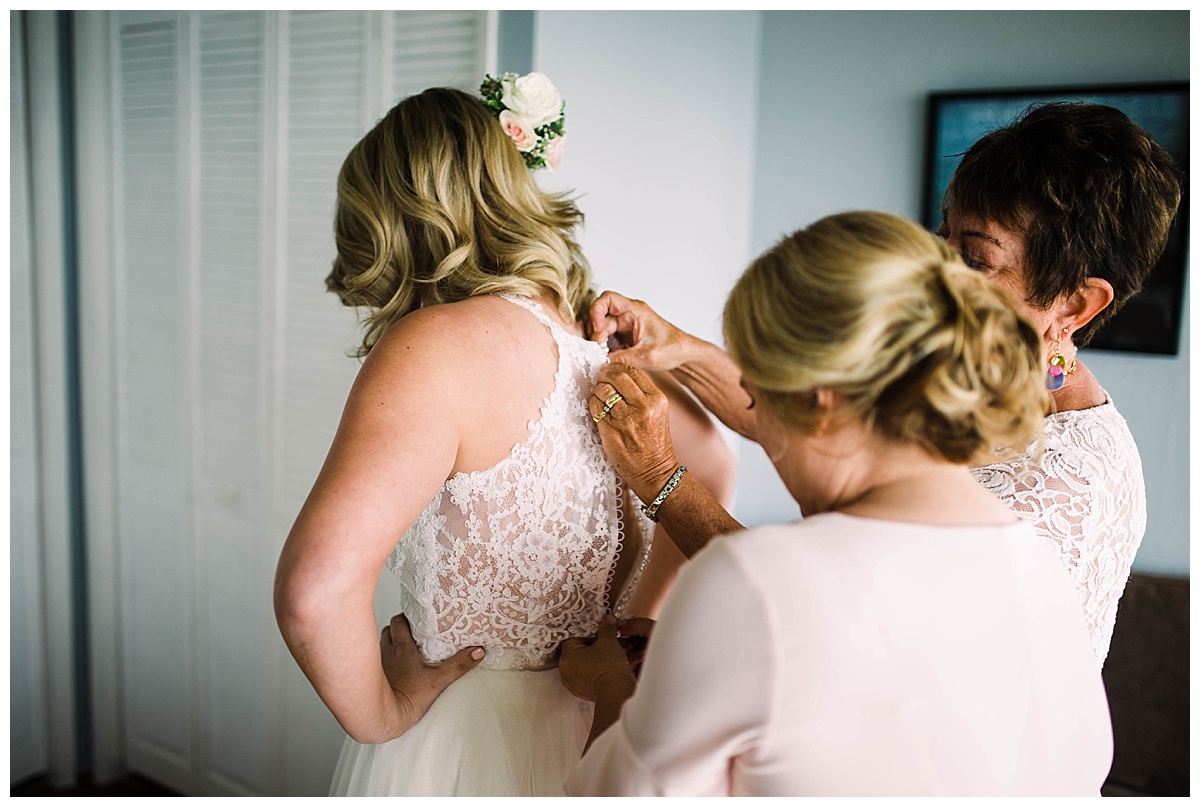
(465, 460)
(514, 552)
(501, 362)
(474, 286)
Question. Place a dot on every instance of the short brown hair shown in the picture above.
(1092, 193)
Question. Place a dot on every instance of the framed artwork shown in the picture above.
(1150, 321)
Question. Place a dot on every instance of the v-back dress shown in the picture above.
(516, 558)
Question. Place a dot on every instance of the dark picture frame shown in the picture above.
(1150, 321)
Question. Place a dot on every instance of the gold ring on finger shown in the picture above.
(612, 400)
(599, 416)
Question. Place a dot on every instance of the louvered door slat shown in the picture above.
(324, 109)
(437, 49)
(232, 495)
(153, 434)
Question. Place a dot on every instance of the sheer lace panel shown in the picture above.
(518, 557)
(1086, 496)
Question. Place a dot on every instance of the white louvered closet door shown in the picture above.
(231, 359)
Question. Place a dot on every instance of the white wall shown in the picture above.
(660, 135)
(841, 126)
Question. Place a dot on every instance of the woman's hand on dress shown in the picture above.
(648, 341)
(636, 432)
(416, 682)
(597, 668)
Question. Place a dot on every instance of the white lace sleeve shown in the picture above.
(1085, 494)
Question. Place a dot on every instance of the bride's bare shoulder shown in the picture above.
(461, 328)
(451, 340)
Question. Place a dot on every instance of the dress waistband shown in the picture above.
(510, 658)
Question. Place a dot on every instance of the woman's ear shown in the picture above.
(1081, 306)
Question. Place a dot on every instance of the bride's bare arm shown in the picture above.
(387, 461)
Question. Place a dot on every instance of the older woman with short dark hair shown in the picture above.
(1068, 209)
(1089, 192)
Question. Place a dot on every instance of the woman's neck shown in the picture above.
(945, 495)
(1081, 391)
(902, 482)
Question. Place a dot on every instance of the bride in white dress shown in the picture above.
(513, 557)
(466, 461)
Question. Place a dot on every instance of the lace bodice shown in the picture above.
(1087, 497)
(520, 556)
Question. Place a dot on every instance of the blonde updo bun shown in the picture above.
(873, 307)
(435, 204)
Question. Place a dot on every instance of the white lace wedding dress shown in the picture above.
(1086, 496)
(515, 558)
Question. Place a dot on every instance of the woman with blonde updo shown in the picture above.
(910, 636)
(466, 463)
(1067, 209)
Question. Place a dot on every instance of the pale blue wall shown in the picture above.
(841, 105)
(661, 108)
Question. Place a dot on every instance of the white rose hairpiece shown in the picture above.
(532, 114)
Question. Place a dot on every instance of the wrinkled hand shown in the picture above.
(636, 432)
(415, 681)
(588, 668)
(646, 340)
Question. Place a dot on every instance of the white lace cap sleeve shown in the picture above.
(1086, 495)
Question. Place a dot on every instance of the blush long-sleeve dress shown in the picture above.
(850, 656)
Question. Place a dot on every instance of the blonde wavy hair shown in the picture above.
(435, 205)
(922, 349)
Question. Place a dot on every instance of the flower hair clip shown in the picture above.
(532, 114)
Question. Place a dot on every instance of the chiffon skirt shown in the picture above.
(491, 733)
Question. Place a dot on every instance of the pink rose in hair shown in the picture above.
(519, 129)
(554, 151)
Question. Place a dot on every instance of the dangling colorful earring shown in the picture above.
(1057, 372)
